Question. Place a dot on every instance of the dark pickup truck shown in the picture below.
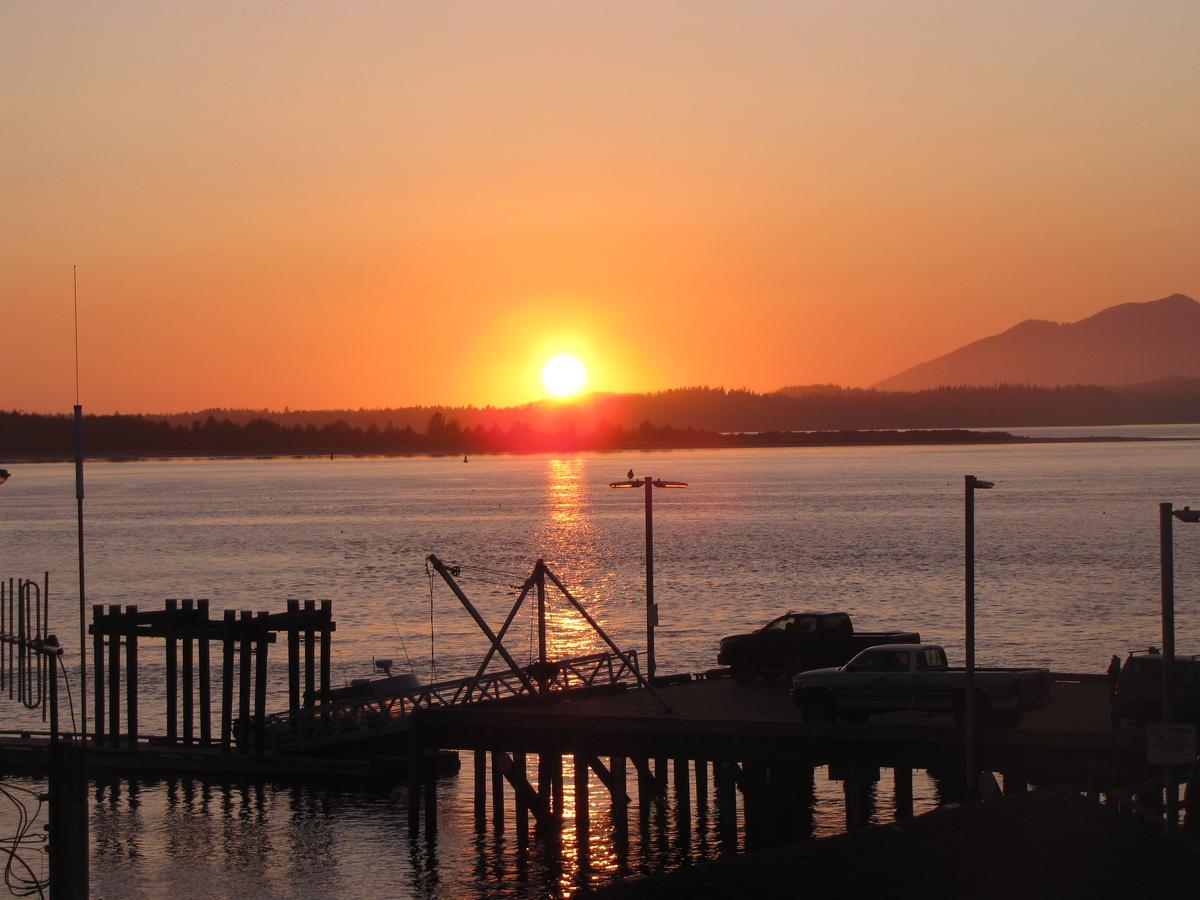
(1138, 697)
(798, 641)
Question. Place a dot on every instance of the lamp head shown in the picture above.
(1187, 514)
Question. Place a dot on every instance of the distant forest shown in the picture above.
(32, 436)
(687, 417)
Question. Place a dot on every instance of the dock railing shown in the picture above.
(367, 714)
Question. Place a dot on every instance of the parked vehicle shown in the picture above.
(797, 641)
(917, 676)
(1139, 697)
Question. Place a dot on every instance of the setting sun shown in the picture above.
(564, 375)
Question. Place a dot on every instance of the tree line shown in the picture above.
(39, 436)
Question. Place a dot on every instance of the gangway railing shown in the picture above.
(365, 713)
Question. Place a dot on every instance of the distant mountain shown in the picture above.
(1131, 343)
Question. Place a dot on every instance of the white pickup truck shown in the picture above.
(916, 677)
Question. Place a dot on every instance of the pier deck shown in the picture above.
(1070, 741)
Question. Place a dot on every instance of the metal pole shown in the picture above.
(1167, 560)
(969, 696)
(82, 594)
(540, 572)
(651, 609)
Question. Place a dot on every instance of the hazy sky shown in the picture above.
(359, 204)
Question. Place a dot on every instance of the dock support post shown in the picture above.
(754, 790)
(243, 728)
(293, 639)
(114, 675)
(857, 790)
(310, 653)
(480, 789)
(902, 778)
(582, 813)
(429, 771)
(620, 799)
(414, 782)
(189, 686)
(521, 807)
(97, 668)
(172, 675)
(726, 806)
(131, 676)
(326, 661)
(701, 767)
(260, 684)
(205, 677)
(497, 794)
(683, 800)
(556, 784)
(230, 623)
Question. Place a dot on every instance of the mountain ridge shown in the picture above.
(1129, 343)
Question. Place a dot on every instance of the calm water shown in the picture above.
(1067, 575)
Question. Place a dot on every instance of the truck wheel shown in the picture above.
(820, 710)
(983, 715)
(1007, 718)
(744, 674)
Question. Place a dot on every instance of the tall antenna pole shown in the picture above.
(79, 519)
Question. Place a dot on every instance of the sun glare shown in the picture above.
(564, 375)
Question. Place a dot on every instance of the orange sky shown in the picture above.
(329, 205)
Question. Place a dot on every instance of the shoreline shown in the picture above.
(749, 441)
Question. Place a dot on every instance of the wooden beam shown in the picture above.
(520, 784)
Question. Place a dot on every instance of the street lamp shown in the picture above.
(1167, 561)
(651, 608)
(972, 484)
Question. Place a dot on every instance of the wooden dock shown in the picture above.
(751, 738)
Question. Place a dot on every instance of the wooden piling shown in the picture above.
(310, 653)
(521, 807)
(293, 638)
(326, 657)
(244, 633)
(480, 789)
(620, 799)
(497, 794)
(902, 775)
(429, 771)
(556, 784)
(172, 675)
(414, 781)
(205, 685)
(230, 627)
(131, 675)
(114, 675)
(97, 671)
(189, 687)
(726, 792)
(701, 767)
(682, 783)
(582, 817)
(260, 684)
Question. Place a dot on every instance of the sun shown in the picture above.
(564, 375)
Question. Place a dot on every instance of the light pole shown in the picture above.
(1167, 564)
(971, 485)
(651, 608)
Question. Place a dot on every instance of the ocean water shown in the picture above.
(1067, 574)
